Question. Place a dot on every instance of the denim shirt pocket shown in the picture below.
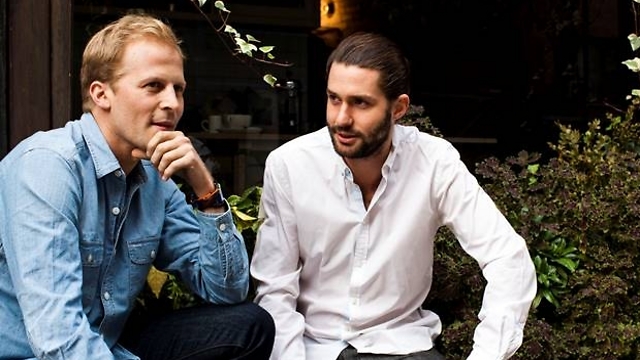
(142, 253)
(92, 255)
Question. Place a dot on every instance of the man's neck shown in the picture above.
(367, 173)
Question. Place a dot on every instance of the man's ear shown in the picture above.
(400, 107)
(98, 92)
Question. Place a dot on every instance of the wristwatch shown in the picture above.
(213, 199)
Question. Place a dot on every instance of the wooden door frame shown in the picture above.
(38, 73)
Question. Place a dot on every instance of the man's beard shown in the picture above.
(371, 142)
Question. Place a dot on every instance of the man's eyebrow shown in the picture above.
(352, 97)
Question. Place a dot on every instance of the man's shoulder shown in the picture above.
(60, 141)
(431, 146)
(305, 145)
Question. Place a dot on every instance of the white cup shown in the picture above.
(212, 124)
(238, 121)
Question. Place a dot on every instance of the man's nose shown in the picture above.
(344, 117)
(170, 99)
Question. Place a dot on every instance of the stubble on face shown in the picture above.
(370, 143)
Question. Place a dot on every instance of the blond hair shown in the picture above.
(105, 49)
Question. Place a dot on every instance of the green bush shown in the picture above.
(580, 215)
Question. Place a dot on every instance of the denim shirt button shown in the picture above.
(153, 254)
(118, 173)
(115, 210)
(90, 259)
(223, 227)
(106, 295)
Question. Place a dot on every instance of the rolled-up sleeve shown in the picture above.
(207, 252)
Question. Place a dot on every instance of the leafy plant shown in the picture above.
(245, 209)
(242, 48)
(580, 216)
(415, 117)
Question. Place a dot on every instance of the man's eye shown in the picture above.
(333, 99)
(154, 85)
(360, 103)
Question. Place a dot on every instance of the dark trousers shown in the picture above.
(351, 354)
(237, 332)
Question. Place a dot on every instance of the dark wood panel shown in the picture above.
(29, 50)
(4, 133)
(61, 35)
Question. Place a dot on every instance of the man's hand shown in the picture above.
(172, 153)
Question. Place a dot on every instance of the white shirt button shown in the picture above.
(115, 210)
(106, 295)
(223, 227)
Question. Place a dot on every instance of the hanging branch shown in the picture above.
(244, 48)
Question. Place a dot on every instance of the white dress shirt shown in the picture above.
(332, 272)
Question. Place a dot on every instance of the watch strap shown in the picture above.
(213, 199)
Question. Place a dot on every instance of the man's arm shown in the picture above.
(42, 247)
(221, 272)
(206, 250)
(502, 254)
(276, 264)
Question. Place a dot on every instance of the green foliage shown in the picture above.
(580, 215)
(245, 209)
(243, 48)
(415, 117)
(634, 41)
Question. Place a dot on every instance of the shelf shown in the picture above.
(243, 136)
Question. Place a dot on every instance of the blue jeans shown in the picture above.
(244, 331)
(351, 354)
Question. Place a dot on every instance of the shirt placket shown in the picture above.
(360, 255)
(118, 202)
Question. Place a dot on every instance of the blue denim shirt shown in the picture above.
(78, 237)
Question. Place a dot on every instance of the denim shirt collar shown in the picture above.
(104, 161)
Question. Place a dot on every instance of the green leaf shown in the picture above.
(231, 30)
(550, 297)
(220, 6)
(567, 263)
(245, 47)
(635, 92)
(202, 2)
(244, 217)
(266, 49)
(533, 168)
(270, 56)
(537, 300)
(537, 261)
(270, 79)
(252, 39)
(633, 64)
(634, 40)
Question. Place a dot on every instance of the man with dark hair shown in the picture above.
(344, 258)
(87, 209)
